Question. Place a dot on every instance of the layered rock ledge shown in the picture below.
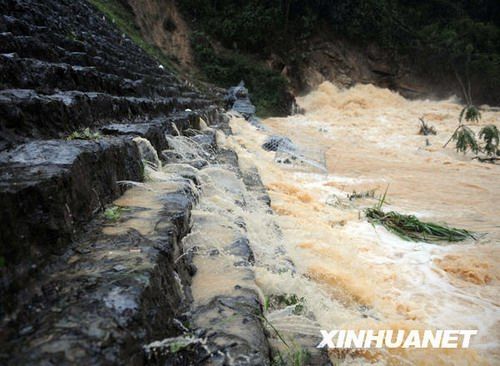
(84, 115)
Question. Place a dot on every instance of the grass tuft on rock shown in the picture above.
(85, 134)
(409, 227)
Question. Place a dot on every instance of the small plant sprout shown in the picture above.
(113, 213)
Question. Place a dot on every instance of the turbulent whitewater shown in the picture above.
(357, 276)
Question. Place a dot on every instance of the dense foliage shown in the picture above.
(229, 68)
(451, 35)
(447, 25)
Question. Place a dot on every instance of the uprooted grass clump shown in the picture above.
(409, 227)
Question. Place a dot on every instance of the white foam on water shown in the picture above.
(357, 276)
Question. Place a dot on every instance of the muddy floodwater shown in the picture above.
(357, 276)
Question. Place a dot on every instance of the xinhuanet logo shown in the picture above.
(396, 338)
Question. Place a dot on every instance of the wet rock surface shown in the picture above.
(238, 99)
(49, 188)
(131, 285)
(70, 292)
(64, 68)
(226, 310)
(115, 289)
(121, 293)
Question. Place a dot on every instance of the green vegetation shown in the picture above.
(85, 134)
(465, 138)
(280, 301)
(113, 213)
(228, 68)
(2, 262)
(123, 17)
(409, 227)
(489, 134)
(447, 26)
(471, 114)
(442, 37)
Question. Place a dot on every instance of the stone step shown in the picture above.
(26, 114)
(226, 304)
(123, 291)
(226, 311)
(156, 129)
(91, 35)
(32, 47)
(48, 189)
(48, 78)
(38, 168)
(123, 285)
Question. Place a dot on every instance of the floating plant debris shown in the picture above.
(409, 227)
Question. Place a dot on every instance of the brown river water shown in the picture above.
(357, 276)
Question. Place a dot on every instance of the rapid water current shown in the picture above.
(354, 275)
